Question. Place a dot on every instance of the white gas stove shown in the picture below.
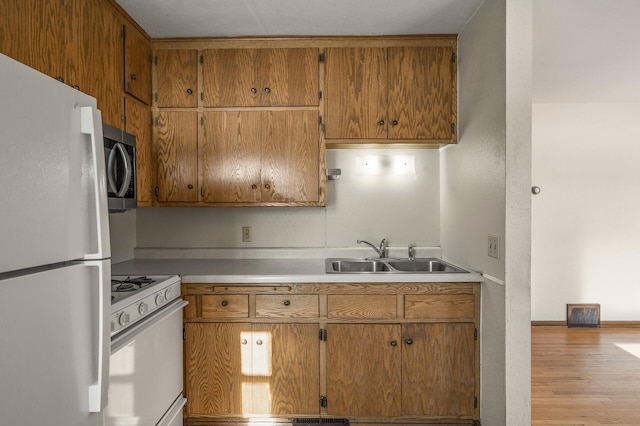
(135, 297)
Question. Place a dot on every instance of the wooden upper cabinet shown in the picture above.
(177, 78)
(260, 77)
(394, 93)
(138, 123)
(137, 64)
(176, 136)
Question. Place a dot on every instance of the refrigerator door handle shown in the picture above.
(99, 389)
(91, 124)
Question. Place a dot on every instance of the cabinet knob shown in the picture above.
(243, 341)
(254, 90)
(408, 341)
(133, 77)
(267, 90)
(224, 303)
(254, 186)
(189, 91)
(394, 122)
(381, 122)
(267, 186)
(259, 342)
(286, 302)
(190, 186)
(394, 343)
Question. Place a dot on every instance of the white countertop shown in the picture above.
(271, 271)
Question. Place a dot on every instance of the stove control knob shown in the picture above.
(123, 319)
(168, 294)
(159, 299)
(143, 308)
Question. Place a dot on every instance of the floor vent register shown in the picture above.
(583, 315)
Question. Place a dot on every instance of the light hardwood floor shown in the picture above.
(585, 376)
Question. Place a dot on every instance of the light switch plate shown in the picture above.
(494, 246)
(246, 234)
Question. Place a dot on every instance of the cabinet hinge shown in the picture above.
(453, 57)
(323, 401)
(184, 334)
(320, 95)
(157, 191)
(202, 121)
(475, 402)
(320, 120)
(453, 129)
(155, 121)
(323, 334)
(202, 191)
(202, 59)
(475, 334)
(322, 58)
(202, 96)
(155, 60)
(155, 96)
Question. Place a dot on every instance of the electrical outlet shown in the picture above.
(494, 246)
(246, 234)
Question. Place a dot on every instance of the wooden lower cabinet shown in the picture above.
(401, 353)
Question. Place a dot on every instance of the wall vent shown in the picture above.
(583, 315)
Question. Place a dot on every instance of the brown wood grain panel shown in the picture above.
(290, 156)
(439, 306)
(17, 39)
(230, 156)
(177, 78)
(137, 64)
(420, 97)
(362, 306)
(356, 93)
(364, 370)
(191, 310)
(287, 77)
(215, 361)
(176, 138)
(138, 123)
(287, 306)
(286, 369)
(229, 77)
(225, 306)
(438, 370)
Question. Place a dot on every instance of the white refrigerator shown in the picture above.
(54, 253)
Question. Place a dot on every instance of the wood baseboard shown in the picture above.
(603, 324)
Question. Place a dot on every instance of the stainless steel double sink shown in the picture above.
(427, 265)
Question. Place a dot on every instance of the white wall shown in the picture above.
(586, 221)
(473, 189)
(122, 230)
(403, 209)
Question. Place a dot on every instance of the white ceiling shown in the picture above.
(226, 18)
(586, 51)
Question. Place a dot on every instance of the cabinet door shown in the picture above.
(138, 123)
(229, 77)
(230, 156)
(421, 82)
(363, 370)
(177, 150)
(356, 93)
(218, 368)
(438, 369)
(137, 64)
(286, 363)
(288, 77)
(176, 72)
(290, 156)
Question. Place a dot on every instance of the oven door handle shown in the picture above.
(124, 338)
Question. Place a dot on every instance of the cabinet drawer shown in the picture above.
(225, 306)
(287, 306)
(362, 306)
(441, 306)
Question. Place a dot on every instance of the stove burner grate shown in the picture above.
(130, 284)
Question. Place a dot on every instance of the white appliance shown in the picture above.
(146, 352)
(54, 245)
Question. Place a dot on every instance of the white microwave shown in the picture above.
(120, 158)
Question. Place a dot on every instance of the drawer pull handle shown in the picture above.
(286, 303)
(394, 343)
(408, 341)
(243, 341)
(190, 91)
(254, 90)
(224, 303)
(259, 342)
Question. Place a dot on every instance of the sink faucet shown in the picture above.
(382, 251)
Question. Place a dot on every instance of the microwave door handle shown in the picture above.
(127, 170)
(111, 170)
